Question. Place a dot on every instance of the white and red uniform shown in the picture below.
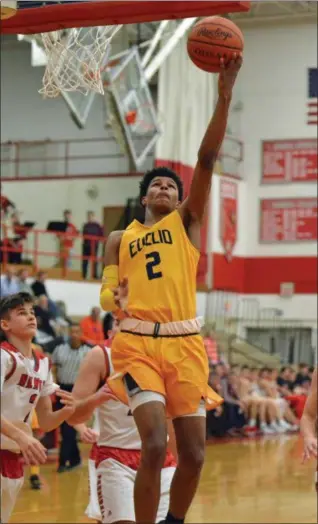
(23, 382)
(92, 510)
(118, 453)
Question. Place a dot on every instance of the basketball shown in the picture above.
(213, 38)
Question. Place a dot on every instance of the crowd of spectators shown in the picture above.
(14, 235)
(52, 318)
(257, 400)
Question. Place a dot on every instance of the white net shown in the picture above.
(76, 59)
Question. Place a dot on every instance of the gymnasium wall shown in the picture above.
(272, 89)
(26, 116)
(81, 296)
(57, 195)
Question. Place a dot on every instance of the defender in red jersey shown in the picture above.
(26, 383)
(118, 451)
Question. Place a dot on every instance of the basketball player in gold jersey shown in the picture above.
(159, 359)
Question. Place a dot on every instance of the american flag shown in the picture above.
(312, 105)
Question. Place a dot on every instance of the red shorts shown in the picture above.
(11, 481)
(11, 464)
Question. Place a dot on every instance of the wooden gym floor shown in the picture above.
(249, 481)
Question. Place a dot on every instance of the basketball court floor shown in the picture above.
(249, 481)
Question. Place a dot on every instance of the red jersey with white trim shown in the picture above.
(117, 428)
(23, 382)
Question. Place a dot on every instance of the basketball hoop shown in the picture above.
(76, 58)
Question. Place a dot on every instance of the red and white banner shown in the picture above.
(228, 216)
(289, 161)
(288, 220)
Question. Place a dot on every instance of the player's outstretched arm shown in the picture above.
(309, 420)
(49, 419)
(198, 197)
(92, 372)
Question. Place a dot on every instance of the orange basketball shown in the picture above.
(213, 38)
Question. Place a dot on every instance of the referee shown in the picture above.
(67, 358)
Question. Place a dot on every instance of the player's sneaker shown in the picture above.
(277, 427)
(266, 429)
(35, 482)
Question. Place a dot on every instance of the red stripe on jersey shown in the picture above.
(6, 345)
(11, 464)
(14, 363)
(128, 457)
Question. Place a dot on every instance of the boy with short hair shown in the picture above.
(26, 384)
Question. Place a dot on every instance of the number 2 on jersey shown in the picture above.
(154, 261)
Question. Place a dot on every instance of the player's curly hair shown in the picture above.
(159, 171)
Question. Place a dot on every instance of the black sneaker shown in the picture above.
(35, 482)
(61, 469)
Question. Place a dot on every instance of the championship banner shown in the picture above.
(228, 216)
(288, 161)
(288, 220)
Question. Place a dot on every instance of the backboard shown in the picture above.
(128, 93)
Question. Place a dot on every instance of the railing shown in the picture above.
(243, 319)
(49, 159)
(50, 249)
(89, 157)
(46, 250)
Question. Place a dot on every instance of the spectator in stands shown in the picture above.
(107, 325)
(5, 203)
(233, 406)
(66, 359)
(67, 240)
(284, 382)
(61, 306)
(23, 275)
(90, 246)
(257, 405)
(18, 235)
(9, 283)
(39, 288)
(285, 386)
(310, 372)
(267, 382)
(45, 320)
(302, 375)
(235, 369)
(216, 422)
(92, 328)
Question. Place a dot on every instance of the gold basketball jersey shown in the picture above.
(161, 266)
